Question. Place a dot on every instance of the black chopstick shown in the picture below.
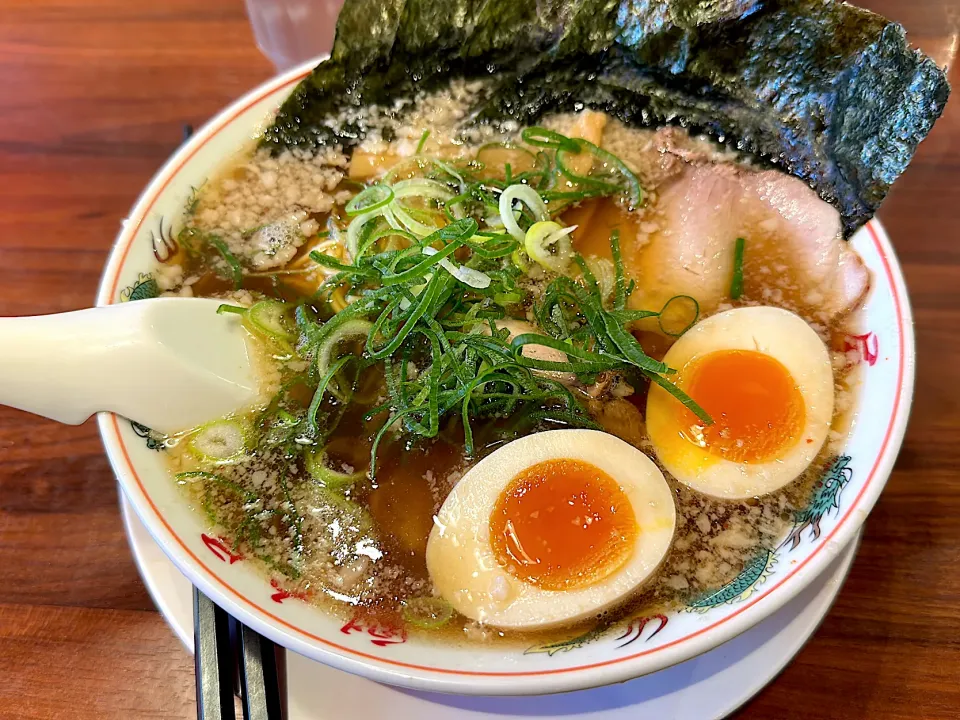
(218, 661)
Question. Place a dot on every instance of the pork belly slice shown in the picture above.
(794, 251)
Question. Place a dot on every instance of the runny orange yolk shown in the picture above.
(756, 407)
(563, 524)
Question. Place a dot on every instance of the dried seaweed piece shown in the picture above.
(830, 93)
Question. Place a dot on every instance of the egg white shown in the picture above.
(783, 336)
(464, 567)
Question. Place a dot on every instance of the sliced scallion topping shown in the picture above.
(453, 236)
(599, 182)
(466, 275)
(521, 260)
(423, 141)
(427, 613)
(549, 245)
(517, 163)
(679, 314)
(605, 273)
(357, 226)
(736, 285)
(371, 198)
(687, 401)
(236, 271)
(529, 197)
(435, 254)
(271, 319)
(313, 420)
(323, 468)
(541, 137)
(422, 188)
(420, 224)
(332, 350)
(226, 309)
(220, 442)
(614, 166)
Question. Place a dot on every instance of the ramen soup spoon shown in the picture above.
(167, 363)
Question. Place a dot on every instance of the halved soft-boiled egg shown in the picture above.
(764, 376)
(551, 528)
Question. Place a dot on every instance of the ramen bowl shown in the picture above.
(635, 646)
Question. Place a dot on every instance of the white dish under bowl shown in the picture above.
(706, 687)
(634, 648)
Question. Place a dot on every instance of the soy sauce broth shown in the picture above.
(361, 547)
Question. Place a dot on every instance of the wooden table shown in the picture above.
(94, 95)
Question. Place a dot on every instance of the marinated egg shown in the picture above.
(765, 378)
(550, 529)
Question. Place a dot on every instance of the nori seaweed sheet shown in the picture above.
(828, 92)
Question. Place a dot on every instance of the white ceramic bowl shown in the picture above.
(636, 647)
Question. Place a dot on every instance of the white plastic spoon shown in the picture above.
(167, 363)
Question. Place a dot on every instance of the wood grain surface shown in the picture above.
(94, 95)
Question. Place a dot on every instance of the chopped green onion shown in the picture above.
(605, 273)
(372, 198)
(423, 188)
(631, 182)
(521, 260)
(679, 314)
(621, 291)
(590, 181)
(427, 300)
(313, 411)
(423, 141)
(687, 401)
(548, 243)
(491, 246)
(428, 613)
(220, 442)
(508, 298)
(453, 235)
(404, 219)
(627, 344)
(468, 276)
(371, 236)
(736, 285)
(541, 137)
(270, 318)
(584, 361)
(231, 309)
(418, 164)
(317, 461)
(426, 281)
(328, 353)
(334, 264)
(356, 227)
(236, 271)
(529, 197)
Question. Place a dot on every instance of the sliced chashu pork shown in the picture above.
(794, 252)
